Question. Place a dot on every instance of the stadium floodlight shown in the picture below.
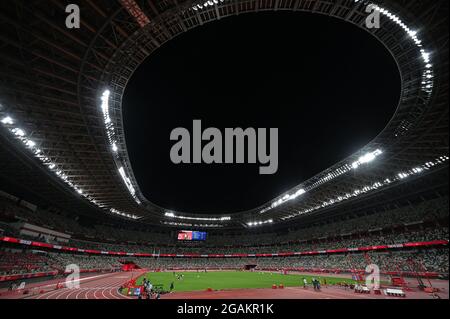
(114, 147)
(402, 175)
(105, 106)
(30, 143)
(366, 158)
(7, 120)
(259, 223)
(168, 214)
(298, 193)
(18, 132)
(426, 56)
(369, 157)
(412, 34)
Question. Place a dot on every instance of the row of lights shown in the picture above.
(283, 200)
(221, 219)
(131, 216)
(191, 225)
(110, 132)
(206, 4)
(428, 75)
(21, 135)
(357, 192)
(260, 223)
(365, 159)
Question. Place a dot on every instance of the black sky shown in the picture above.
(328, 86)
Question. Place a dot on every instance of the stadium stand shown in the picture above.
(425, 222)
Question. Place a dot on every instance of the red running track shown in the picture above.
(94, 287)
(105, 286)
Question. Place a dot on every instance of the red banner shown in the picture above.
(280, 254)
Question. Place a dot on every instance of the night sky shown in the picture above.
(328, 86)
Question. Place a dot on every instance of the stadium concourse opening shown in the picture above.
(265, 70)
(92, 207)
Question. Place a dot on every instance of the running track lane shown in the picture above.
(103, 287)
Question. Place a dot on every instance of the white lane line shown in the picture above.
(53, 292)
(102, 289)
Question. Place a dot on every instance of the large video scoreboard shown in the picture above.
(188, 235)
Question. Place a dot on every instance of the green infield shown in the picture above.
(219, 280)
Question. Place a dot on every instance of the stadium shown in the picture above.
(80, 216)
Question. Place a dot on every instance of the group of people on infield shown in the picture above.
(149, 292)
(315, 282)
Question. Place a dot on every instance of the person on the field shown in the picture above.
(305, 283)
(171, 286)
(316, 284)
(149, 286)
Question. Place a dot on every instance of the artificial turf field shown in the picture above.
(220, 280)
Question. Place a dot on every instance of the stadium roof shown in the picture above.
(61, 98)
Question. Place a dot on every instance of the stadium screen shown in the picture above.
(189, 235)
